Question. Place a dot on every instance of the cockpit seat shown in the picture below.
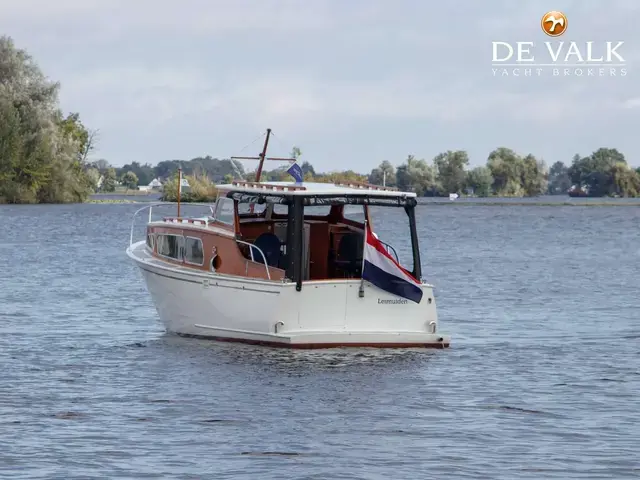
(349, 255)
(269, 243)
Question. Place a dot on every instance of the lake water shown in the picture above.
(541, 381)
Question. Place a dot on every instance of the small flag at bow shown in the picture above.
(296, 172)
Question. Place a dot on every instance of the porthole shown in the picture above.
(215, 260)
(215, 263)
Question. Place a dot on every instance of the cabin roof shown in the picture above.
(315, 189)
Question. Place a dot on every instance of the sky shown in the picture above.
(350, 82)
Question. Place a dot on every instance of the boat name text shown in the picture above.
(397, 301)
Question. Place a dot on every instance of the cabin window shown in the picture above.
(224, 211)
(245, 208)
(193, 252)
(355, 213)
(150, 241)
(317, 210)
(170, 246)
(389, 222)
(280, 209)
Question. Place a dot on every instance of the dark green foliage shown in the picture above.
(42, 153)
(604, 173)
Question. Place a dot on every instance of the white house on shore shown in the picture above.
(154, 186)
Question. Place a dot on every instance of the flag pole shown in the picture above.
(364, 247)
(179, 185)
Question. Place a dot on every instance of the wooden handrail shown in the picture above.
(365, 186)
(268, 186)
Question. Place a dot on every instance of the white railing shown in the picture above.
(390, 249)
(156, 204)
(264, 258)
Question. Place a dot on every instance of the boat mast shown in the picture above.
(262, 155)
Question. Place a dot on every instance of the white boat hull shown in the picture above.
(323, 314)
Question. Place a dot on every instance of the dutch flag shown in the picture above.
(383, 271)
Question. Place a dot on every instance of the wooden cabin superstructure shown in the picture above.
(279, 240)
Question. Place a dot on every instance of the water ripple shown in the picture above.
(542, 379)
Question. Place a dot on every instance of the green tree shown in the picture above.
(534, 176)
(595, 173)
(480, 180)
(451, 170)
(507, 169)
(73, 128)
(129, 180)
(625, 180)
(102, 165)
(11, 152)
(93, 175)
(145, 173)
(383, 174)
(201, 189)
(42, 151)
(559, 180)
(213, 168)
(109, 182)
(418, 176)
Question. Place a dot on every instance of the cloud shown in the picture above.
(193, 17)
(632, 103)
(157, 95)
(170, 71)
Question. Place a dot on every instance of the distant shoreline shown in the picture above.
(496, 202)
(132, 193)
(533, 204)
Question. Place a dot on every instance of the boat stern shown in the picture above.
(360, 314)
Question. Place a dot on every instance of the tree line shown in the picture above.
(604, 172)
(506, 174)
(44, 159)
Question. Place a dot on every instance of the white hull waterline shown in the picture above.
(323, 314)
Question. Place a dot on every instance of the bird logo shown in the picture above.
(554, 23)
